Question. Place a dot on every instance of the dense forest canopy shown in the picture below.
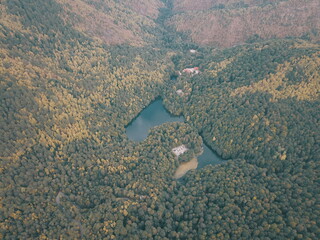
(75, 73)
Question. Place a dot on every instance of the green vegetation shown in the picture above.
(69, 171)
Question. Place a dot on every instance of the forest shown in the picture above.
(74, 74)
(229, 23)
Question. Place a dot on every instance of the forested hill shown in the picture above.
(227, 23)
(111, 22)
(75, 73)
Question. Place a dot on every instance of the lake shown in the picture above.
(153, 115)
(156, 114)
(208, 157)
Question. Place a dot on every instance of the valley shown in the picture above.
(76, 75)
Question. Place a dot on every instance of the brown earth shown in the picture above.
(112, 22)
(206, 24)
(145, 8)
(190, 5)
(185, 167)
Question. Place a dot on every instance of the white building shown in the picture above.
(180, 92)
(194, 70)
(179, 150)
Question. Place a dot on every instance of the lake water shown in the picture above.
(208, 157)
(156, 114)
(153, 115)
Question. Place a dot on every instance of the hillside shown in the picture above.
(110, 22)
(258, 103)
(229, 23)
(233, 99)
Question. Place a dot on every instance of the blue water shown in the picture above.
(153, 115)
(208, 157)
(156, 114)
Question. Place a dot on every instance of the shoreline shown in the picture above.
(187, 166)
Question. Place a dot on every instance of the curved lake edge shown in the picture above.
(153, 115)
(151, 102)
(208, 155)
(174, 115)
(212, 150)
